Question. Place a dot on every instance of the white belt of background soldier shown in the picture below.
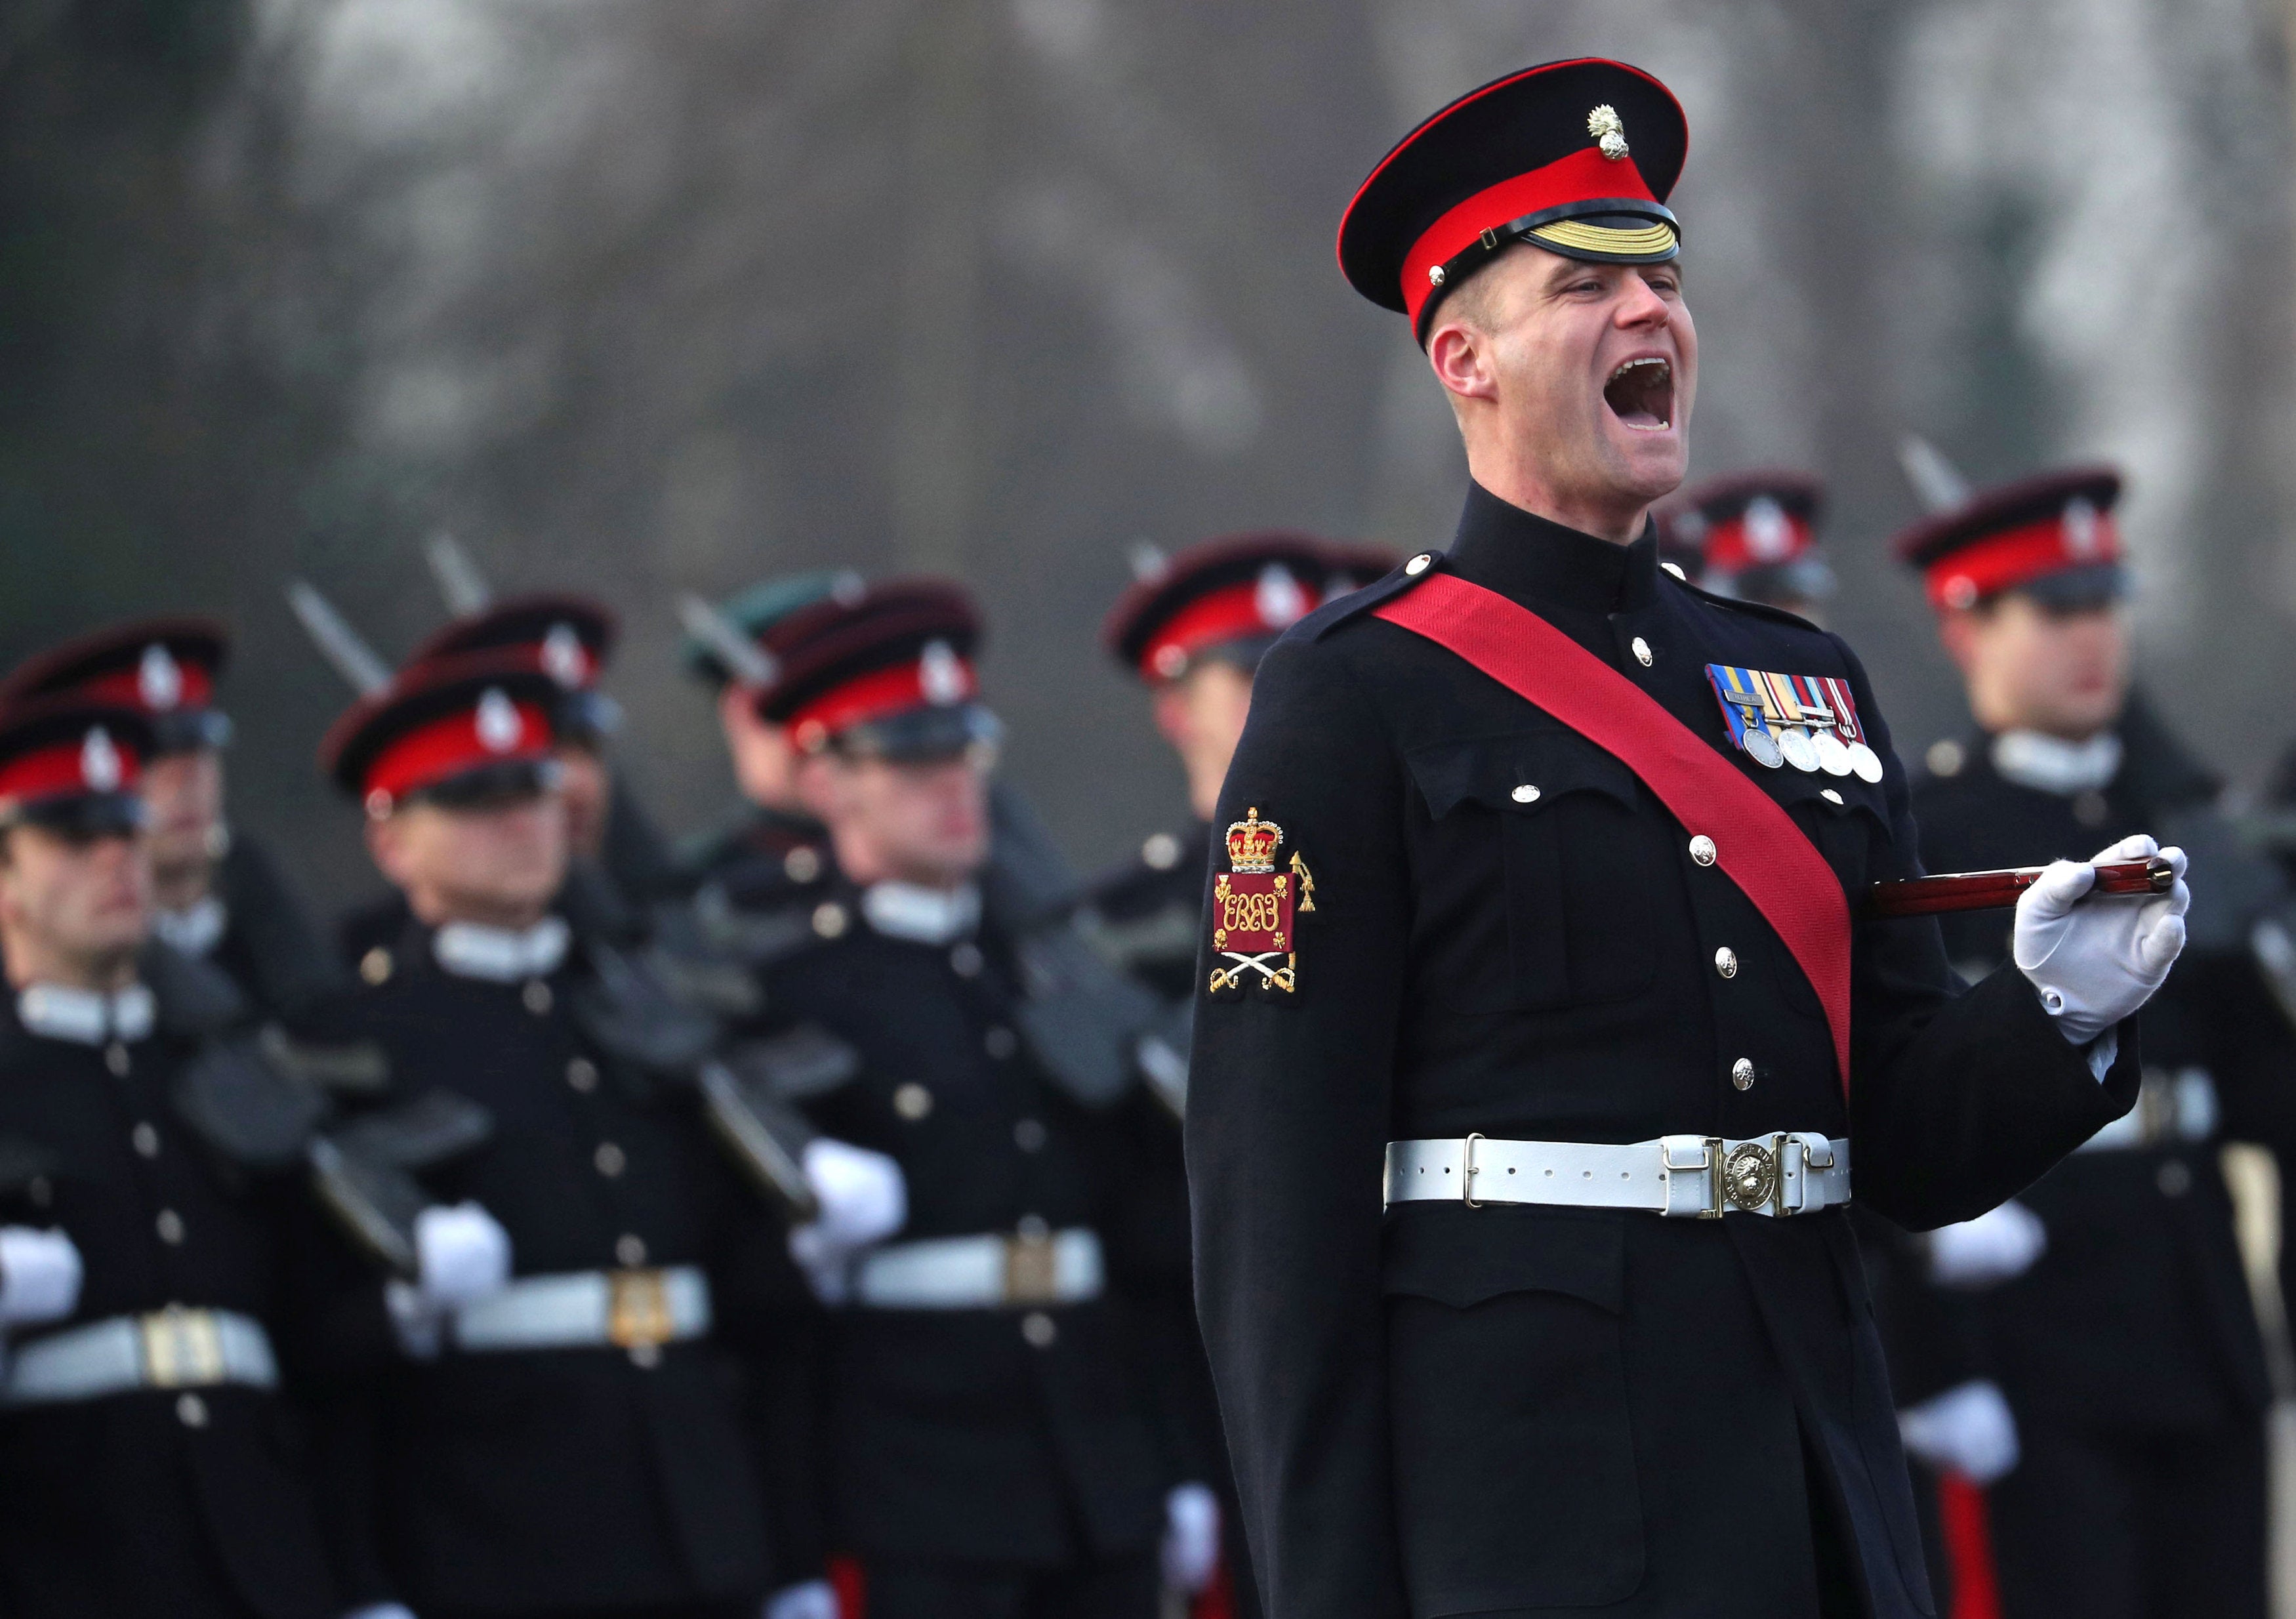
(1033, 1265)
(174, 1349)
(1685, 1176)
(2175, 1105)
(636, 1311)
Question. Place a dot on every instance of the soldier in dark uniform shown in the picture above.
(1755, 538)
(992, 1447)
(149, 1464)
(770, 828)
(609, 832)
(2125, 1341)
(1536, 884)
(613, 1427)
(218, 894)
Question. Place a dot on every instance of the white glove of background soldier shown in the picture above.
(814, 1599)
(1998, 1245)
(382, 1610)
(1190, 1553)
(863, 1200)
(40, 1275)
(2096, 964)
(462, 1255)
(1966, 1430)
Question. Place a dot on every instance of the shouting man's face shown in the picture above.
(1573, 384)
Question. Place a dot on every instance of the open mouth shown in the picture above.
(1641, 394)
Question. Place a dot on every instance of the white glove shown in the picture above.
(1998, 1245)
(382, 1610)
(814, 1599)
(863, 1200)
(1966, 1430)
(464, 1255)
(2096, 964)
(40, 1274)
(1192, 1538)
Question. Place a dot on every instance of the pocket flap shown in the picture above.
(1491, 770)
(1461, 1256)
(1837, 796)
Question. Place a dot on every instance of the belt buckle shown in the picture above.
(1031, 1277)
(637, 1313)
(182, 1348)
(1467, 1170)
(1750, 1176)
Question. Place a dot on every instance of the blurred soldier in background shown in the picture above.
(770, 826)
(993, 1450)
(1753, 537)
(216, 893)
(589, 1397)
(148, 1465)
(2090, 1348)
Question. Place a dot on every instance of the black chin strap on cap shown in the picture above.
(1609, 230)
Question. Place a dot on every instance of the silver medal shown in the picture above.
(1833, 755)
(1865, 761)
(1800, 751)
(1764, 747)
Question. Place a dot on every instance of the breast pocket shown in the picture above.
(1847, 820)
(1558, 822)
(1515, 1462)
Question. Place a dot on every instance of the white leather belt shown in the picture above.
(991, 1272)
(2172, 1107)
(173, 1348)
(632, 1310)
(1687, 1177)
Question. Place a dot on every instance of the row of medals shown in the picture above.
(1824, 751)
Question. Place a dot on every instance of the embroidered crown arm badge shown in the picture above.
(1254, 905)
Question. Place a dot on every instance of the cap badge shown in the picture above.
(1434, 274)
(99, 761)
(157, 679)
(1278, 598)
(497, 722)
(1609, 132)
(2081, 528)
(564, 659)
(940, 675)
(1253, 906)
(1769, 535)
(848, 589)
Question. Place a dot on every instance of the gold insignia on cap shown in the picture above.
(1609, 132)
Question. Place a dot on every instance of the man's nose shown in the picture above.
(1641, 306)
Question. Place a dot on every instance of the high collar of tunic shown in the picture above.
(1540, 563)
(922, 915)
(501, 955)
(87, 1017)
(195, 930)
(2050, 764)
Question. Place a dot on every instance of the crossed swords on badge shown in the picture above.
(1285, 977)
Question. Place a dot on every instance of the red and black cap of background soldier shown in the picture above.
(2051, 536)
(1575, 157)
(461, 731)
(886, 672)
(571, 637)
(164, 669)
(71, 763)
(1225, 599)
(1752, 535)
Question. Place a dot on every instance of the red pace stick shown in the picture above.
(1972, 891)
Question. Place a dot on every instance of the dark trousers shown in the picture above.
(2167, 1528)
(1126, 1588)
(681, 1610)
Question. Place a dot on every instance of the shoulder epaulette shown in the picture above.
(1761, 610)
(1331, 615)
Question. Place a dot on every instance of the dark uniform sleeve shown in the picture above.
(1287, 1123)
(1957, 1101)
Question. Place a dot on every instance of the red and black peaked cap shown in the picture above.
(887, 670)
(71, 763)
(1755, 533)
(457, 729)
(164, 668)
(571, 636)
(1228, 598)
(2051, 535)
(1576, 157)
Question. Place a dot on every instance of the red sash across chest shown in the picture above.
(1759, 847)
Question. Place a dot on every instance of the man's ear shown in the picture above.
(1960, 630)
(819, 781)
(386, 841)
(1459, 353)
(1173, 712)
(737, 709)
